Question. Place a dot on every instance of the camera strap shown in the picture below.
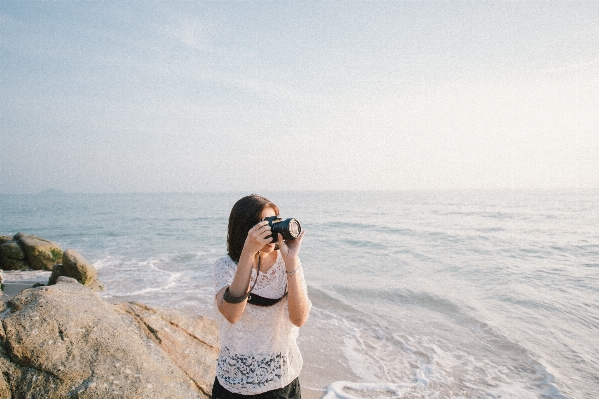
(258, 300)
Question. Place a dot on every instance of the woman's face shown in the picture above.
(268, 248)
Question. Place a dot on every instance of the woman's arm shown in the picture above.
(298, 302)
(256, 239)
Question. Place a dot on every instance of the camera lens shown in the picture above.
(290, 228)
(294, 228)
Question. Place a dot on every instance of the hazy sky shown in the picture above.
(151, 96)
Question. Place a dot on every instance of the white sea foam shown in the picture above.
(26, 276)
(429, 364)
(352, 390)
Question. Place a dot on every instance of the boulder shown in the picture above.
(74, 265)
(178, 336)
(13, 264)
(11, 249)
(41, 254)
(4, 239)
(64, 341)
(12, 256)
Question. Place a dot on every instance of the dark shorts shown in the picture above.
(291, 391)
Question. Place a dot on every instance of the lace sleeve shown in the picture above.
(223, 273)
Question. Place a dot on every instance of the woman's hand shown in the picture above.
(257, 238)
(290, 249)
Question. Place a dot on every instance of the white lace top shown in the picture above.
(259, 353)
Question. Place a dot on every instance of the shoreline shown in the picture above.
(15, 281)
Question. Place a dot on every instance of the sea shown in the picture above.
(416, 294)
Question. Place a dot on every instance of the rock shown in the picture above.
(13, 264)
(11, 249)
(64, 341)
(177, 335)
(96, 285)
(4, 239)
(41, 254)
(56, 272)
(11, 255)
(76, 266)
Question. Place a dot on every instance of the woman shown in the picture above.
(262, 297)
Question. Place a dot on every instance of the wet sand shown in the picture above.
(12, 289)
(311, 394)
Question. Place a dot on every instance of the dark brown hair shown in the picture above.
(245, 214)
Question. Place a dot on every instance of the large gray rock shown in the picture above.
(41, 254)
(64, 341)
(74, 265)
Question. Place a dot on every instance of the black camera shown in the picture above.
(290, 228)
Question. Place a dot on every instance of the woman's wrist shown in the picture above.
(239, 285)
(292, 265)
(246, 259)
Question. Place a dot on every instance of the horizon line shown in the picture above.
(58, 192)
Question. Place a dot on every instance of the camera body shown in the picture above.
(290, 228)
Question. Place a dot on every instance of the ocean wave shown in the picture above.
(353, 390)
(25, 276)
(418, 350)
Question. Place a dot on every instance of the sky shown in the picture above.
(192, 96)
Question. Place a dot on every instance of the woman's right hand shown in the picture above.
(257, 238)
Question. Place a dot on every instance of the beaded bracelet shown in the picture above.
(293, 272)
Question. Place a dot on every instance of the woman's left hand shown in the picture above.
(290, 249)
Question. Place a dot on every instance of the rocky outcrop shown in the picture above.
(64, 341)
(23, 252)
(76, 266)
